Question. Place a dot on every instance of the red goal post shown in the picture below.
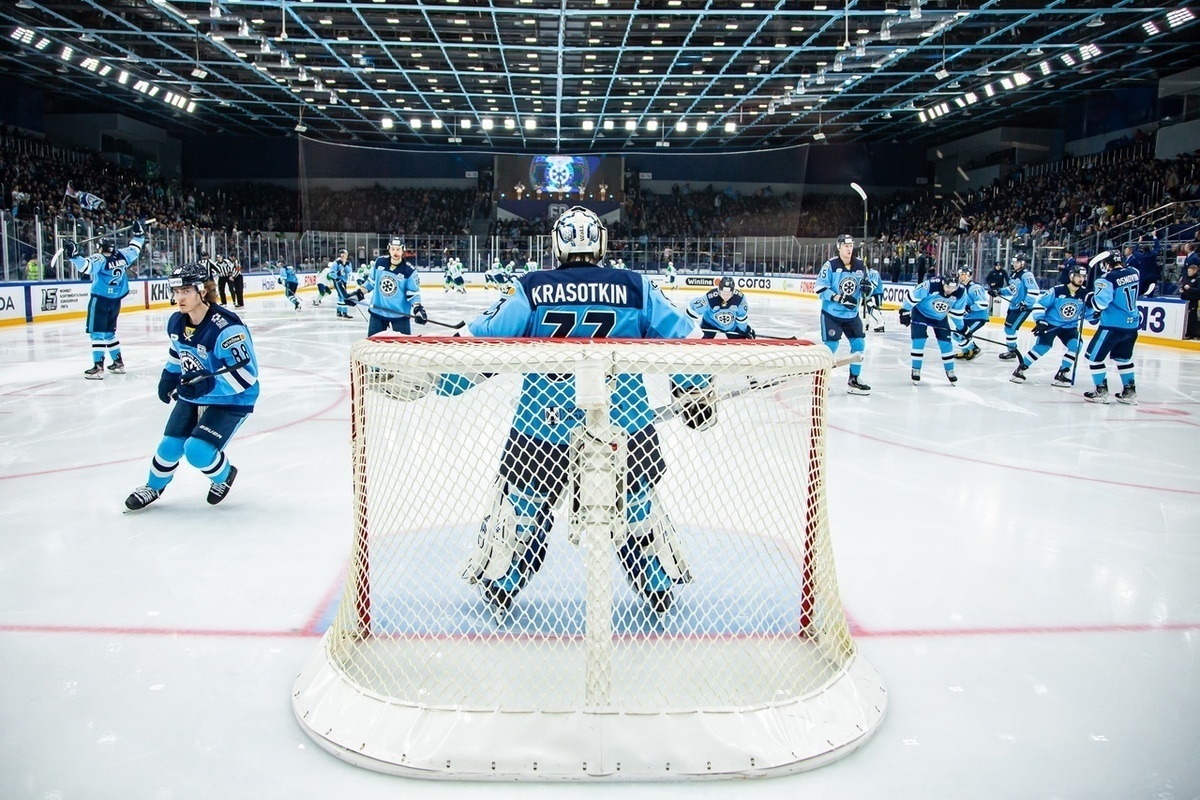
(742, 665)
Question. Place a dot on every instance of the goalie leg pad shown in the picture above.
(405, 388)
(512, 539)
(651, 554)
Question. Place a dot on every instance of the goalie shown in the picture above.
(581, 300)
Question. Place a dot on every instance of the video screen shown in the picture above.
(560, 178)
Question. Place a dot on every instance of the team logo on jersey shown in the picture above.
(552, 417)
(1069, 311)
(941, 306)
(220, 321)
(723, 318)
(388, 285)
(188, 362)
(848, 285)
(202, 351)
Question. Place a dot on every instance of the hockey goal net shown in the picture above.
(578, 559)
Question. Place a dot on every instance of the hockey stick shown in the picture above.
(456, 326)
(222, 371)
(57, 257)
(1079, 352)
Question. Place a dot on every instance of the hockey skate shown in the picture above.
(1128, 396)
(647, 576)
(1008, 355)
(218, 491)
(916, 376)
(970, 353)
(855, 386)
(117, 367)
(141, 497)
(96, 373)
(1099, 395)
(878, 328)
(950, 376)
(1018, 375)
(1062, 379)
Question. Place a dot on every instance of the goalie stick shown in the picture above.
(664, 413)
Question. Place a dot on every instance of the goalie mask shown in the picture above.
(188, 275)
(579, 232)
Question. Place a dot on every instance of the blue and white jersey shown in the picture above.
(219, 341)
(723, 315)
(288, 275)
(1058, 308)
(339, 272)
(110, 274)
(1022, 290)
(977, 302)
(582, 302)
(929, 299)
(1115, 298)
(838, 278)
(394, 288)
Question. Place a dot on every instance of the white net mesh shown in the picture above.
(564, 527)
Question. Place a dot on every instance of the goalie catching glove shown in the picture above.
(696, 404)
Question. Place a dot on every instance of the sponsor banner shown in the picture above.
(707, 283)
(158, 292)
(59, 300)
(12, 304)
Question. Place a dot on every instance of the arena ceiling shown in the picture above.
(577, 76)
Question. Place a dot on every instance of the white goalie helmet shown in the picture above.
(579, 232)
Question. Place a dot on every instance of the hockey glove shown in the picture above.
(419, 314)
(866, 288)
(905, 317)
(1040, 327)
(168, 382)
(993, 292)
(749, 333)
(194, 385)
(139, 228)
(697, 406)
(355, 297)
(70, 249)
(849, 301)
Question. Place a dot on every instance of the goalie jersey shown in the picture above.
(219, 341)
(582, 302)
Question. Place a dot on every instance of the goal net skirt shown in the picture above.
(588, 560)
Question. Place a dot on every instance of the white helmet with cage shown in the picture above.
(579, 232)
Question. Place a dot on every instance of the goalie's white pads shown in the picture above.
(405, 388)
(500, 537)
(665, 543)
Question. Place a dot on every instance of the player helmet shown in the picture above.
(106, 245)
(188, 275)
(965, 271)
(1079, 270)
(1020, 260)
(725, 283)
(1108, 260)
(343, 252)
(950, 277)
(845, 238)
(579, 232)
(396, 241)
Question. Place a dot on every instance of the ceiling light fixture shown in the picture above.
(914, 9)
(1096, 22)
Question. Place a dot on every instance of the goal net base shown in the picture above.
(483, 743)
(589, 560)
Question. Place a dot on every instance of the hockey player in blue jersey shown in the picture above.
(287, 276)
(1021, 292)
(395, 289)
(108, 269)
(931, 305)
(581, 300)
(975, 315)
(213, 373)
(1058, 314)
(1113, 305)
(339, 274)
(842, 283)
(721, 310)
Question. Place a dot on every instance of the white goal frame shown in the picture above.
(414, 678)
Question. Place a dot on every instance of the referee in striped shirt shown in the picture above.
(222, 269)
